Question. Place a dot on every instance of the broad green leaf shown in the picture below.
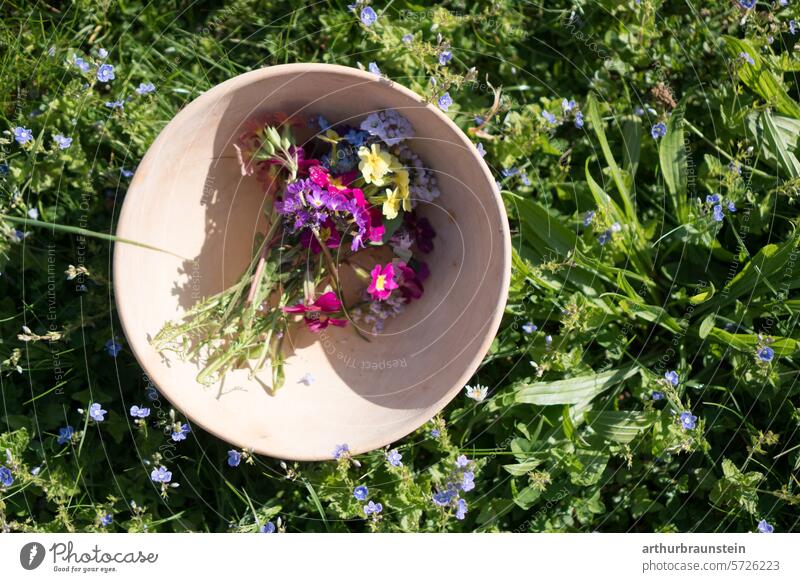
(620, 426)
(672, 155)
(759, 78)
(602, 199)
(703, 296)
(706, 326)
(571, 390)
(742, 342)
(779, 148)
(632, 137)
(520, 469)
(543, 230)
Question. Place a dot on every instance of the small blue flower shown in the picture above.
(65, 434)
(765, 527)
(461, 509)
(731, 207)
(719, 216)
(161, 475)
(445, 57)
(373, 508)
(508, 172)
(234, 458)
(462, 461)
(22, 135)
(658, 395)
(368, 16)
(145, 88)
(529, 327)
(735, 168)
(96, 412)
(33, 213)
(62, 142)
(549, 117)
(126, 173)
(468, 481)
(479, 120)
(180, 435)
(443, 498)
(688, 420)
(268, 527)
(579, 120)
(481, 150)
(373, 68)
(106, 520)
(745, 56)
(407, 38)
(6, 478)
(113, 348)
(102, 53)
(712, 198)
(4, 169)
(394, 458)
(793, 28)
(340, 451)
(81, 64)
(435, 433)
(567, 105)
(105, 73)
(445, 101)
(672, 377)
(766, 354)
(658, 130)
(139, 412)
(356, 137)
(115, 104)
(747, 4)
(604, 237)
(361, 492)
(588, 218)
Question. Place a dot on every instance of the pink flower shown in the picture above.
(318, 310)
(410, 285)
(383, 282)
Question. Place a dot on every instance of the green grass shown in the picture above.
(572, 443)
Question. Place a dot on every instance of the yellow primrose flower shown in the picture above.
(374, 164)
(392, 204)
(401, 180)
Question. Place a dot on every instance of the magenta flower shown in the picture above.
(383, 282)
(318, 310)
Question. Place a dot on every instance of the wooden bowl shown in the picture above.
(188, 196)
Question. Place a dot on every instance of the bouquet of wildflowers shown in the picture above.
(347, 199)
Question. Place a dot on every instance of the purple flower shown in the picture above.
(368, 16)
(549, 117)
(658, 130)
(234, 458)
(766, 354)
(6, 478)
(567, 105)
(389, 125)
(658, 395)
(118, 104)
(180, 434)
(374, 69)
(445, 57)
(765, 527)
(139, 412)
(145, 88)
(718, 214)
(80, 63)
(712, 198)
(105, 73)
(462, 461)
(745, 56)
(578, 119)
(445, 101)
(268, 527)
(102, 53)
(161, 475)
(96, 412)
(394, 458)
(468, 481)
(113, 348)
(340, 451)
(361, 492)
(672, 377)
(529, 327)
(731, 207)
(65, 434)
(373, 508)
(435, 433)
(22, 135)
(461, 509)
(61, 141)
(106, 520)
(688, 420)
(443, 498)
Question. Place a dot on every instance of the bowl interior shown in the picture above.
(188, 196)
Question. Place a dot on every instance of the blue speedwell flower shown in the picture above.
(462, 461)
(549, 117)
(374, 69)
(765, 527)
(394, 458)
(234, 458)
(745, 56)
(672, 377)
(717, 213)
(481, 150)
(106, 520)
(445, 57)
(62, 142)
(658, 395)
(118, 104)
(161, 475)
(578, 119)
(407, 38)
(180, 434)
(588, 218)
(688, 420)
(113, 348)
(81, 64)
(658, 130)
(139, 412)
(435, 433)
(747, 4)
(467, 481)
(268, 527)
(445, 101)
(373, 508)
(766, 354)
(368, 16)
(6, 478)
(22, 135)
(461, 509)
(145, 88)
(340, 451)
(105, 73)
(96, 412)
(65, 434)
(529, 327)
(361, 492)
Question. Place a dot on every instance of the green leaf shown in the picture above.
(543, 230)
(706, 326)
(672, 155)
(632, 137)
(779, 147)
(571, 390)
(620, 426)
(703, 296)
(783, 346)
